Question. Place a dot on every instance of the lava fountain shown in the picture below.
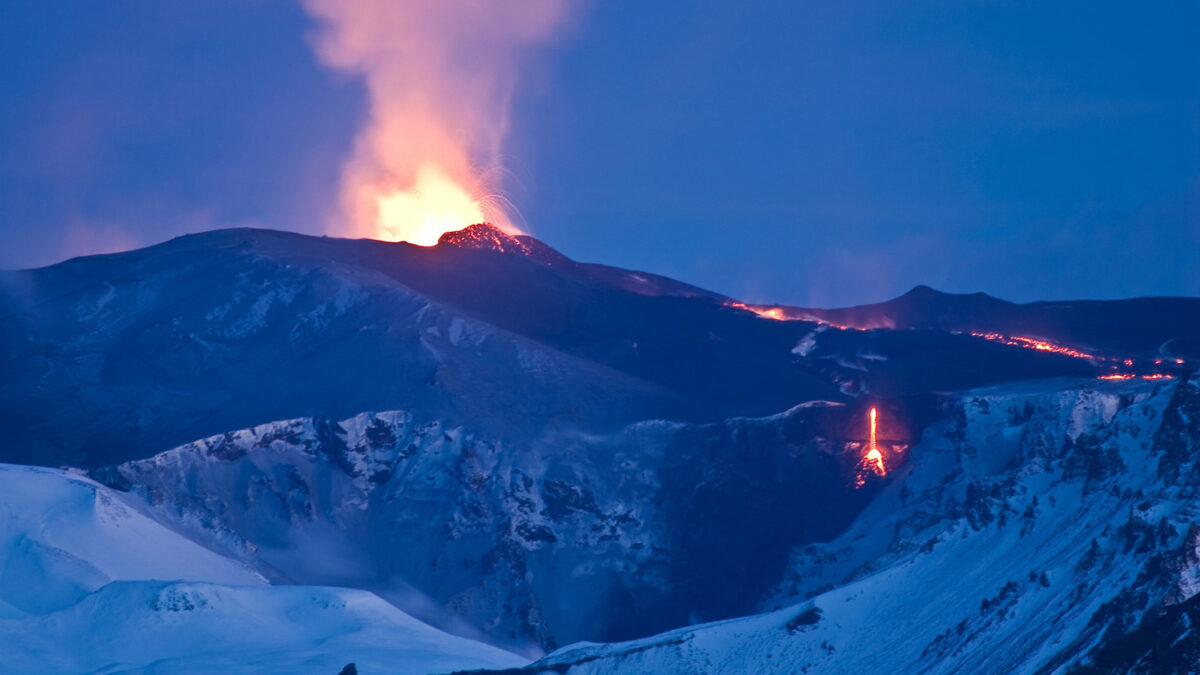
(434, 204)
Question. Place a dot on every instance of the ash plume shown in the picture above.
(439, 76)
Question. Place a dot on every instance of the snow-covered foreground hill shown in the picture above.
(91, 583)
(1038, 528)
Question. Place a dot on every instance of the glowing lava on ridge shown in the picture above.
(773, 313)
(1131, 376)
(777, 313)
(1032, 343)
(1046, 346)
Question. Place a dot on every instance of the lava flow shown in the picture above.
(1114, 362)
(1032, 343)
(773, 313)
(872, 461)
(1131, 376)
(873, 454)
(776, 313)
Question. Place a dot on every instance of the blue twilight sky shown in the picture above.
(800, 152)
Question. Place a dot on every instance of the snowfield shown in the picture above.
(91, 583)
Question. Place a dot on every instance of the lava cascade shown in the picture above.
(871, 463)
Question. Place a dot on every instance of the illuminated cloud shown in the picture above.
(440, 75)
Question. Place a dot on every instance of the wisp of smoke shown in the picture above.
(439, 76)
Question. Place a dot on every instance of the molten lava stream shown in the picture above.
(1037, 344)
(773, 313)
(872, 461)
(873, 455)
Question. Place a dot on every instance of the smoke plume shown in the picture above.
(439, 76)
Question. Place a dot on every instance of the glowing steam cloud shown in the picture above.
(439, 76)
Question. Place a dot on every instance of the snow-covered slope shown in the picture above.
(1036, 527)
(91, 583)
(63, 536)
(190, 627)
(570, 536)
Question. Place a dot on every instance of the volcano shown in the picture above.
(226, 329)
(533, 451)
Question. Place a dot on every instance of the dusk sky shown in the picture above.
(803, 153)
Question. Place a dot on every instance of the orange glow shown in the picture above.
(439, 78)
(873, 455)
(872, 444)
(1131, 376)
(872, 461)
(432, 205)
(773, 313)
(1032, 343)
(776, 313)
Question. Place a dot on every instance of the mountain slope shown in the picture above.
(1037, 527)
(189, 627)
(571, 536)
(513, 445)
(117, 357)
(209, 333)
(90, 583)
(1139, 328)
(63, 536)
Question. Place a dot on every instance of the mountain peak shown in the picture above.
(921, 290)
(488, 237)
(928, 293)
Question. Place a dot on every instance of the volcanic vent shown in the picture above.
(488, 237)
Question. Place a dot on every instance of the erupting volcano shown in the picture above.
(438, 81)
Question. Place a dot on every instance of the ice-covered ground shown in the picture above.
(91, 583)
